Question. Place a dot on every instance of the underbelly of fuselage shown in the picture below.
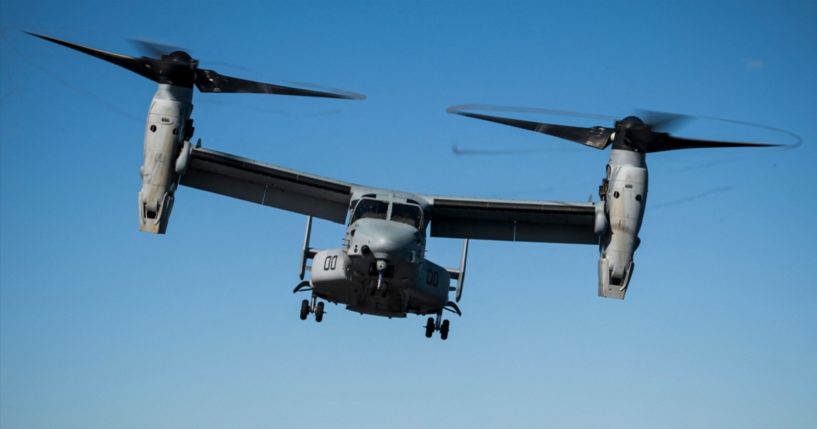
(417, 288)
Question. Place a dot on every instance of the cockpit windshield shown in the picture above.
(368, 208)
(405, 213)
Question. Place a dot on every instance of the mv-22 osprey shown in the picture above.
(381, 268)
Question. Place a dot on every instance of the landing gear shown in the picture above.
(437, 324)
(382, 287)
(319, 312)
(312, 307)
(304, 309)
(444, 330)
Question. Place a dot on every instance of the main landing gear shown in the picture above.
(437, 324)
(312, 307)
(309, 306)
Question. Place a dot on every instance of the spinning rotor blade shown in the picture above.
(597, 137)
(663, 121)
(665, 142)
(142, 66)
(641, 134)
(535, 110)
(175, 67)
(153, 49)
(211, 81)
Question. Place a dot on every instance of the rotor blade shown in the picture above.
(665, 142)
(536, 110)
(663, 121)
(141, 66)
(211, 81)
(153, 49)
(597, 137)
(457, 150)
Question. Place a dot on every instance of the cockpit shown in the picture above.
(408, 213)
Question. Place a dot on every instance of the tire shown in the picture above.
(444, 330)
(304, 309)
(319, 312)
(430, 327)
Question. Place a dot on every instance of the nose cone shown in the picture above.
(385, 239)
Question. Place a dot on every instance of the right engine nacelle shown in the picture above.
(624, 204)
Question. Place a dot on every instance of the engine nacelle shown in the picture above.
(624, 205)
(168, 116)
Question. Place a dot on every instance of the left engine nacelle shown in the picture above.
(165, 132)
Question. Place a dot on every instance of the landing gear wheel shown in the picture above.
(319, 312)
(430, 327)
(444, 330)
(304, 309)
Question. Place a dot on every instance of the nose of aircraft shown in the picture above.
(384, 239)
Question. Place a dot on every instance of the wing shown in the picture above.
(542, 221)
(266, 184)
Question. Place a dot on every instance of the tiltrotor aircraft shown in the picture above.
(381, 269)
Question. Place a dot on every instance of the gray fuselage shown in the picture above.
(381, 269)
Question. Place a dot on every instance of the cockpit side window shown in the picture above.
(368, 208)
(406, 213)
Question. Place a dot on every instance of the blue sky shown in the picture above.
(103, 326)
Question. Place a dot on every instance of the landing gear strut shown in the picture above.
(437, 324)
(382, 286)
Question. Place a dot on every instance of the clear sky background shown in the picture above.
(103, 326)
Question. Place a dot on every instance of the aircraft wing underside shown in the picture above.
(268, 185)
(551, 222)
(249, 180)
